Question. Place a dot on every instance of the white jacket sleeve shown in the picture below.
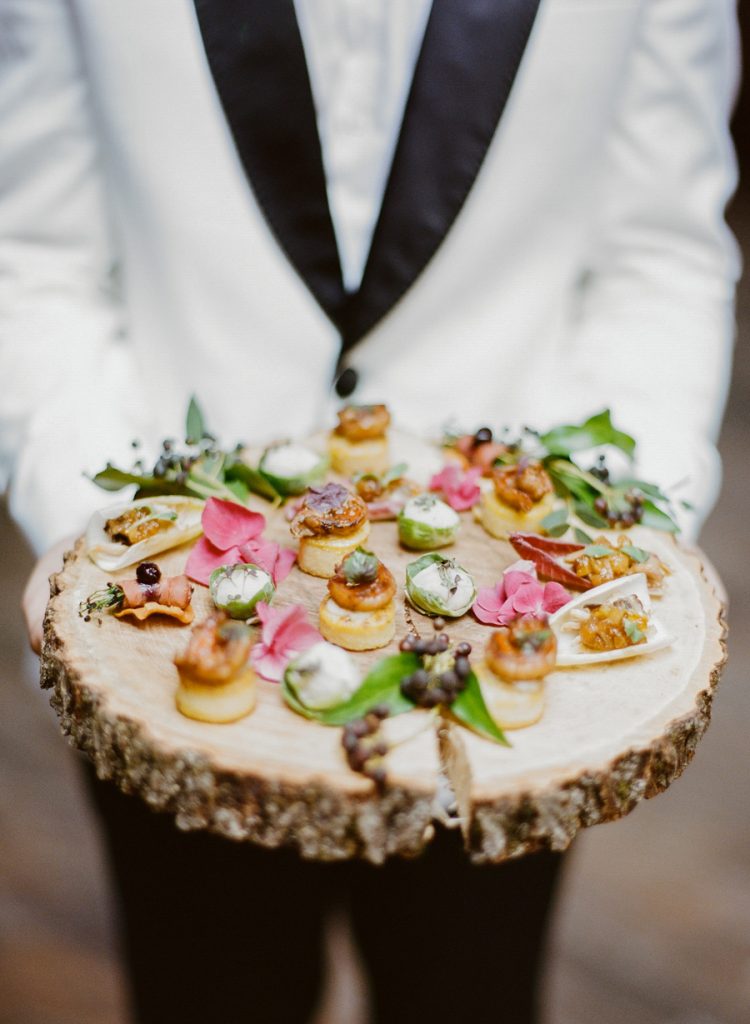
(654, 327)
(69, 396)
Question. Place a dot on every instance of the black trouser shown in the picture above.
(218, 932)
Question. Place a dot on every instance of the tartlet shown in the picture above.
(521, 496)
(216, 681)
(359, 443)
(359, 612)
(330, 523)
(517, 659)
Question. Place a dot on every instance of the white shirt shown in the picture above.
(360, 57)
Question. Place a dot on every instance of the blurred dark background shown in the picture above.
(654, 921)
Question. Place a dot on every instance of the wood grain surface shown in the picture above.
(609, 737)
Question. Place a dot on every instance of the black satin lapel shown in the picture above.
(257, 60)
(470, 56)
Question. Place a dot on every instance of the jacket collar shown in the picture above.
(470, 56)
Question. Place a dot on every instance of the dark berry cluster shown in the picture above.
(364, 745)
(623, 516)
(444, 673)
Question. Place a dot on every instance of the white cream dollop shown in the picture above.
(431, 511)
(431, 580)
(290, 460)
(324, 675)
(240, 583)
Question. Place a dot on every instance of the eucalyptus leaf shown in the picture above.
(587, 515)
(252, 479)
(113, 479)
(239, 489)
(634, 634)
(558, 531)
(394, 473)
(557, 518)
(598, 551)
(636, 554)
(595, 431)
(382, 685)
(470, 709)
(657, 519)
(195, 428)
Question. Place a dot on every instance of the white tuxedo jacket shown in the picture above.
(551, 239)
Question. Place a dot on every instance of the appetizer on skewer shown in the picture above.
(439, 586)
(217, 682)
(236, 589)
(291, 467)
(330, 523)
(359, 443)
(426, 522)
(521, 496)
(122, 535)
(517, 658)
(148, 594)
(360, 611)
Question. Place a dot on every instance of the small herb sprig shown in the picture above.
(201, 469)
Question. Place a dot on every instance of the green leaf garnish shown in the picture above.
(195, 429)
(657, 519)
(110, 596)
(112, 479)
(598, 551)
(469, 708)
(252, 479)
(636, 554)
(587, 515)
(595, 431)
(581, 536)
(393, 473)
(634, 634)
(360, 567)
(382, 685)
(555, 520)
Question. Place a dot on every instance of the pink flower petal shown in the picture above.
(517, 575)
(488, 603)
(227, 524)
(205, 557)
(507, 613)
(555, 596)
(268, 664)
(460, 489)
(528, 599)
(276, 561)
(284, 562)
(285, 632)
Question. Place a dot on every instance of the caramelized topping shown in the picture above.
(137, 524)
(363, 422)
(610, 627)
(521, 486)
(525, 649)
(326, 510)
(217, 651)
(367, 596)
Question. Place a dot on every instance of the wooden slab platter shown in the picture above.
(610, 735)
